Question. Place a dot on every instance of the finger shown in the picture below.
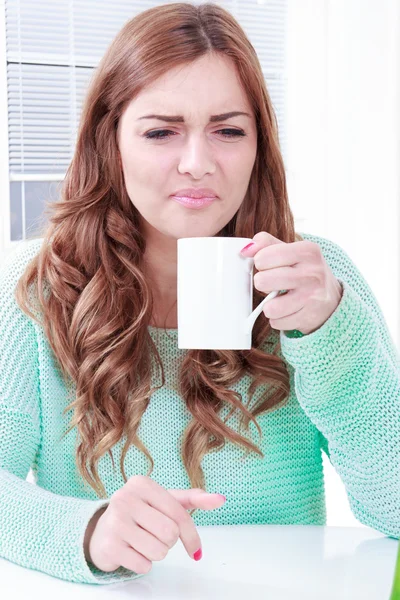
(284, 278)
(263, 237)
(290, 323)
(261, 240)
(292, 254)
(285, 305)
(158, 524)
(173, 505)
(274, 258)
(145, 543)
(192, 499)
(271, 256)
(198, 498)
(133, 560)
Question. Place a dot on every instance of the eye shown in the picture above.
(162, 134)
(233, 132)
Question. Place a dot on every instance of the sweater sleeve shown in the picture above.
(39, 530)
(347, 380)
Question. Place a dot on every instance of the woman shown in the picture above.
(179, 101)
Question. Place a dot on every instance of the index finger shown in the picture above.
(160, 499)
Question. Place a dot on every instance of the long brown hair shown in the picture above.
(89, 279)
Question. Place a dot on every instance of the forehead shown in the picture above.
(210, 84)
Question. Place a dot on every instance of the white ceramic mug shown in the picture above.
(215, 294)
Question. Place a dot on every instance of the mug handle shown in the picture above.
(249, 322)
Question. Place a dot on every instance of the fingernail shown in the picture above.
(224, 497)
(248, 246)
(197, 555)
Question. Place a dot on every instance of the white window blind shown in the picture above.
(51, 51)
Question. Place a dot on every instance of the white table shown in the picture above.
(243, 562)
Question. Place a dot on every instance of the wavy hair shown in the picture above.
(99, 304)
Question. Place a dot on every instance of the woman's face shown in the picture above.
(160, 157)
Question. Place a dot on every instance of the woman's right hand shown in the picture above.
(142, 522)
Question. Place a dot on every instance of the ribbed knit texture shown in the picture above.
(345, 399)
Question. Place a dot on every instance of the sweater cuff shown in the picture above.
(332, 349)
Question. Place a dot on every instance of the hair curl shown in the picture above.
(99, 303)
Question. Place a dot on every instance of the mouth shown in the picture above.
(196, 193)
(194, 202)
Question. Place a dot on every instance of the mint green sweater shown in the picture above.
(344, 400)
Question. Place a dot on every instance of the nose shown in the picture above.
(196, 158)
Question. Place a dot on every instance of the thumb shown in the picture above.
(198, 498)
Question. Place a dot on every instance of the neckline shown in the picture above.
(162, 329)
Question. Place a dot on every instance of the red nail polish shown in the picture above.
(197, 555)
(248, 246)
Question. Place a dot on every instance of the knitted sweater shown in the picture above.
(344, 400)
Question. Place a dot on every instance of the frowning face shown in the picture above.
(184, 131)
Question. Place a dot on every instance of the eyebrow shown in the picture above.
(180, 119)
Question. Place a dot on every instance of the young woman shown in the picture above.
(124, 432)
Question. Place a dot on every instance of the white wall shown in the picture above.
(344, 148)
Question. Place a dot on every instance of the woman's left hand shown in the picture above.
(299, 267)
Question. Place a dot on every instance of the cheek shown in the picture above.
(240, 160)
(149, 170)
(155, 167)
(165, 161)
(239, 170)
